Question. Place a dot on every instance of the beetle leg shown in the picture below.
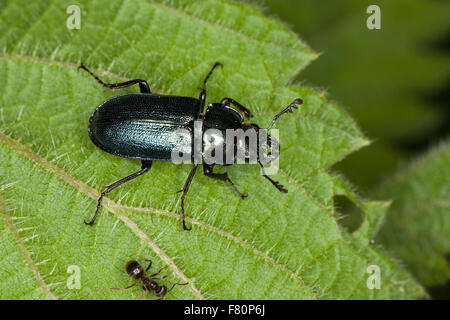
(143, 85)
(202, 96)
(186, 186)
(277, 185)
(146, 165)
(240, 107)
(208, 171)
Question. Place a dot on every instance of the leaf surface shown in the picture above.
(269, 246)
(417, 227)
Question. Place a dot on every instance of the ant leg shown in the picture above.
(292, 105)
(240, 107)
(185, 190)
(143, 292)
(146, 165)
(202, 96)
(208, 171)
(156, 273)
(161, 278)
(149, 265)
(143, 85)
(131, 286)
(277, 185)
(179, 284)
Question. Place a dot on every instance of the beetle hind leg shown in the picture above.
(146, 165)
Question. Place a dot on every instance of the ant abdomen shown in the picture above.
(161, 292)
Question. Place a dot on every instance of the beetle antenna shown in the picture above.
(289, 108)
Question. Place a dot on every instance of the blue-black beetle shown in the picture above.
(141, 126)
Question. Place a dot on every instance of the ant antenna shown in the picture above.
(129, 287)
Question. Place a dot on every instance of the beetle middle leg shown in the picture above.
(143, 85)
(185, 190)
(146, 165)
(208, 171)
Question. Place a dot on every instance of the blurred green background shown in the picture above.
(395, 81)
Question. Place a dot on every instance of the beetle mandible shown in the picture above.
(141, 126)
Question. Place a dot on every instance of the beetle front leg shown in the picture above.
(240, 107)
(146, 165)
(208, 171)
(143, 85)
(202, 96)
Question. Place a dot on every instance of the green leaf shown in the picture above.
(270, 245)
(417, 227)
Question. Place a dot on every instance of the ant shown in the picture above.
(137, 272)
